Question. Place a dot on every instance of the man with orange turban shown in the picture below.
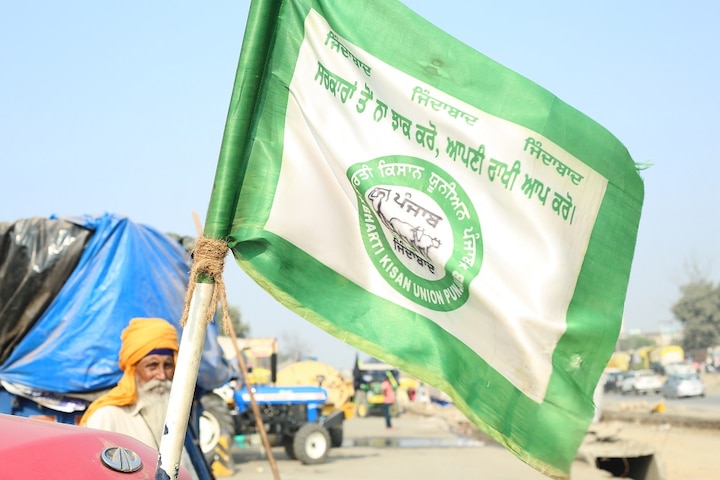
(138, 404)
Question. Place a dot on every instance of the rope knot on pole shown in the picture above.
(208, 263)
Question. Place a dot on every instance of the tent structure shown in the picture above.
(68, 287)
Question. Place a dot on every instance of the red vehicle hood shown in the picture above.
(37, 449)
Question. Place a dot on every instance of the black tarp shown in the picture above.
(37, 255)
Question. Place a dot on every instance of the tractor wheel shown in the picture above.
(336, 436)
(289, 448)
(216, 423)
(361, 405)
(311, 444)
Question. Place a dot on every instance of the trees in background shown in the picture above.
(698, 309)
(634, 342)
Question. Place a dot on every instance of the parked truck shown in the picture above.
(663, 357)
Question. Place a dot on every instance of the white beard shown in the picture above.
(152, 400)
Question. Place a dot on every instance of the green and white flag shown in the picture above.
(432, 208)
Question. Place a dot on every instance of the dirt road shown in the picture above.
(685, 441)
(418, 447)
(425, 445)
(682, 453)
(422, 447)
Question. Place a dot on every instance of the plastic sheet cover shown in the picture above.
(36, 257)
(126, 270)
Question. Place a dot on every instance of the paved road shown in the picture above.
(698, 407)
(691, 412)
(417, 448)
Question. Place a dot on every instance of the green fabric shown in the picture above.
(418, 339)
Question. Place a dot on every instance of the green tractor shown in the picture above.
(367, 381)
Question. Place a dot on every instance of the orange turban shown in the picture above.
(140, 337)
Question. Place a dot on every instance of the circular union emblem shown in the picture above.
(419, 229)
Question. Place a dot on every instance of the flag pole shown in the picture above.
(202, 295)
(205, 289)
(182, 391)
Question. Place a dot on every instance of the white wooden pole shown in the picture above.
(192, 342)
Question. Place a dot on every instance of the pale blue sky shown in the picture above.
(120, 107)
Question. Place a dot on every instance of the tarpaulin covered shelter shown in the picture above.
(68, 287)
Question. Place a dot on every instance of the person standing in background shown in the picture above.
(388, 391)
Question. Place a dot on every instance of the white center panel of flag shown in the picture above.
(431, 203)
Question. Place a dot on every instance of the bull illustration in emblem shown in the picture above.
(393, 214)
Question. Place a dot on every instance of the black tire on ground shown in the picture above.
(289, 448)
(215, 422)
(336, 436)
(311, 444)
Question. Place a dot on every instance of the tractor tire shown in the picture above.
(289, 448)
(216, 423)
(336, 436)
(361, 405)
(311, 444)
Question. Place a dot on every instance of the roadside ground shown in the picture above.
(684, 437)
(419, 446)
(681, 451)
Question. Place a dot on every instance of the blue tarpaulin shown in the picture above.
(126, 270)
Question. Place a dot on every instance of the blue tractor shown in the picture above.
(294, 417)
(301, 407)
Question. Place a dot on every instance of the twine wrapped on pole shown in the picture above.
(209, 261)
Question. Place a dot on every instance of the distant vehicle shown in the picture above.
(680, 368)
(712, 359)
(620, 361)
(641, 382)
(302, 407)
(293, 416)
(660, 357)
(613, 379)
(683, 385)
(367, 382)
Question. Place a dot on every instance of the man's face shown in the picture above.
(154, 367)
(153, 376)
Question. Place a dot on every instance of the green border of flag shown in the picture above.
(242, 196)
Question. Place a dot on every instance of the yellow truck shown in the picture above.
(661, 358)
